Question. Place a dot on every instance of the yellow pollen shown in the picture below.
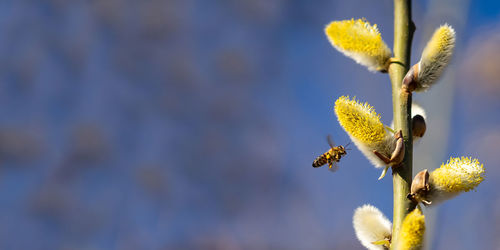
(359, 120)
(359, 40)
(412, 231)
(458, 175)
(441, 42)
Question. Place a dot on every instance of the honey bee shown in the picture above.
(332, 156)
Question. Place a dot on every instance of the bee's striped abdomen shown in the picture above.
(321, 160)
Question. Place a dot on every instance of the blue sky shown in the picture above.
(193, 124)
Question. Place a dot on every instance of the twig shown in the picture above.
(402, 174)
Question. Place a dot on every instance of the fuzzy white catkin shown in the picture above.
(371, 225)
(435, 57)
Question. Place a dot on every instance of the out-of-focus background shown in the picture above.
(191, 124)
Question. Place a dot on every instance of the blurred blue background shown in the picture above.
(190, 124)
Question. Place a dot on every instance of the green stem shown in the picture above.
(402, 174)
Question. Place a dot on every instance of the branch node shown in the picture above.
(410, 81)
(399, 152)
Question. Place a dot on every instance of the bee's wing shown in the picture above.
(330, 141)
(333, 167)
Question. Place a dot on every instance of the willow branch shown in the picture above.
(402, 174)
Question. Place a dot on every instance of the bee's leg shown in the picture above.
(333, 165)
(336, 157)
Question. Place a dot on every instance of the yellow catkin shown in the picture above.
(442, 41)
(359, 120)
(360, 41)
(435, 57)
(411, 235)
(458, 175)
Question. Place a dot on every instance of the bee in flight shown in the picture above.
(332, 156)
